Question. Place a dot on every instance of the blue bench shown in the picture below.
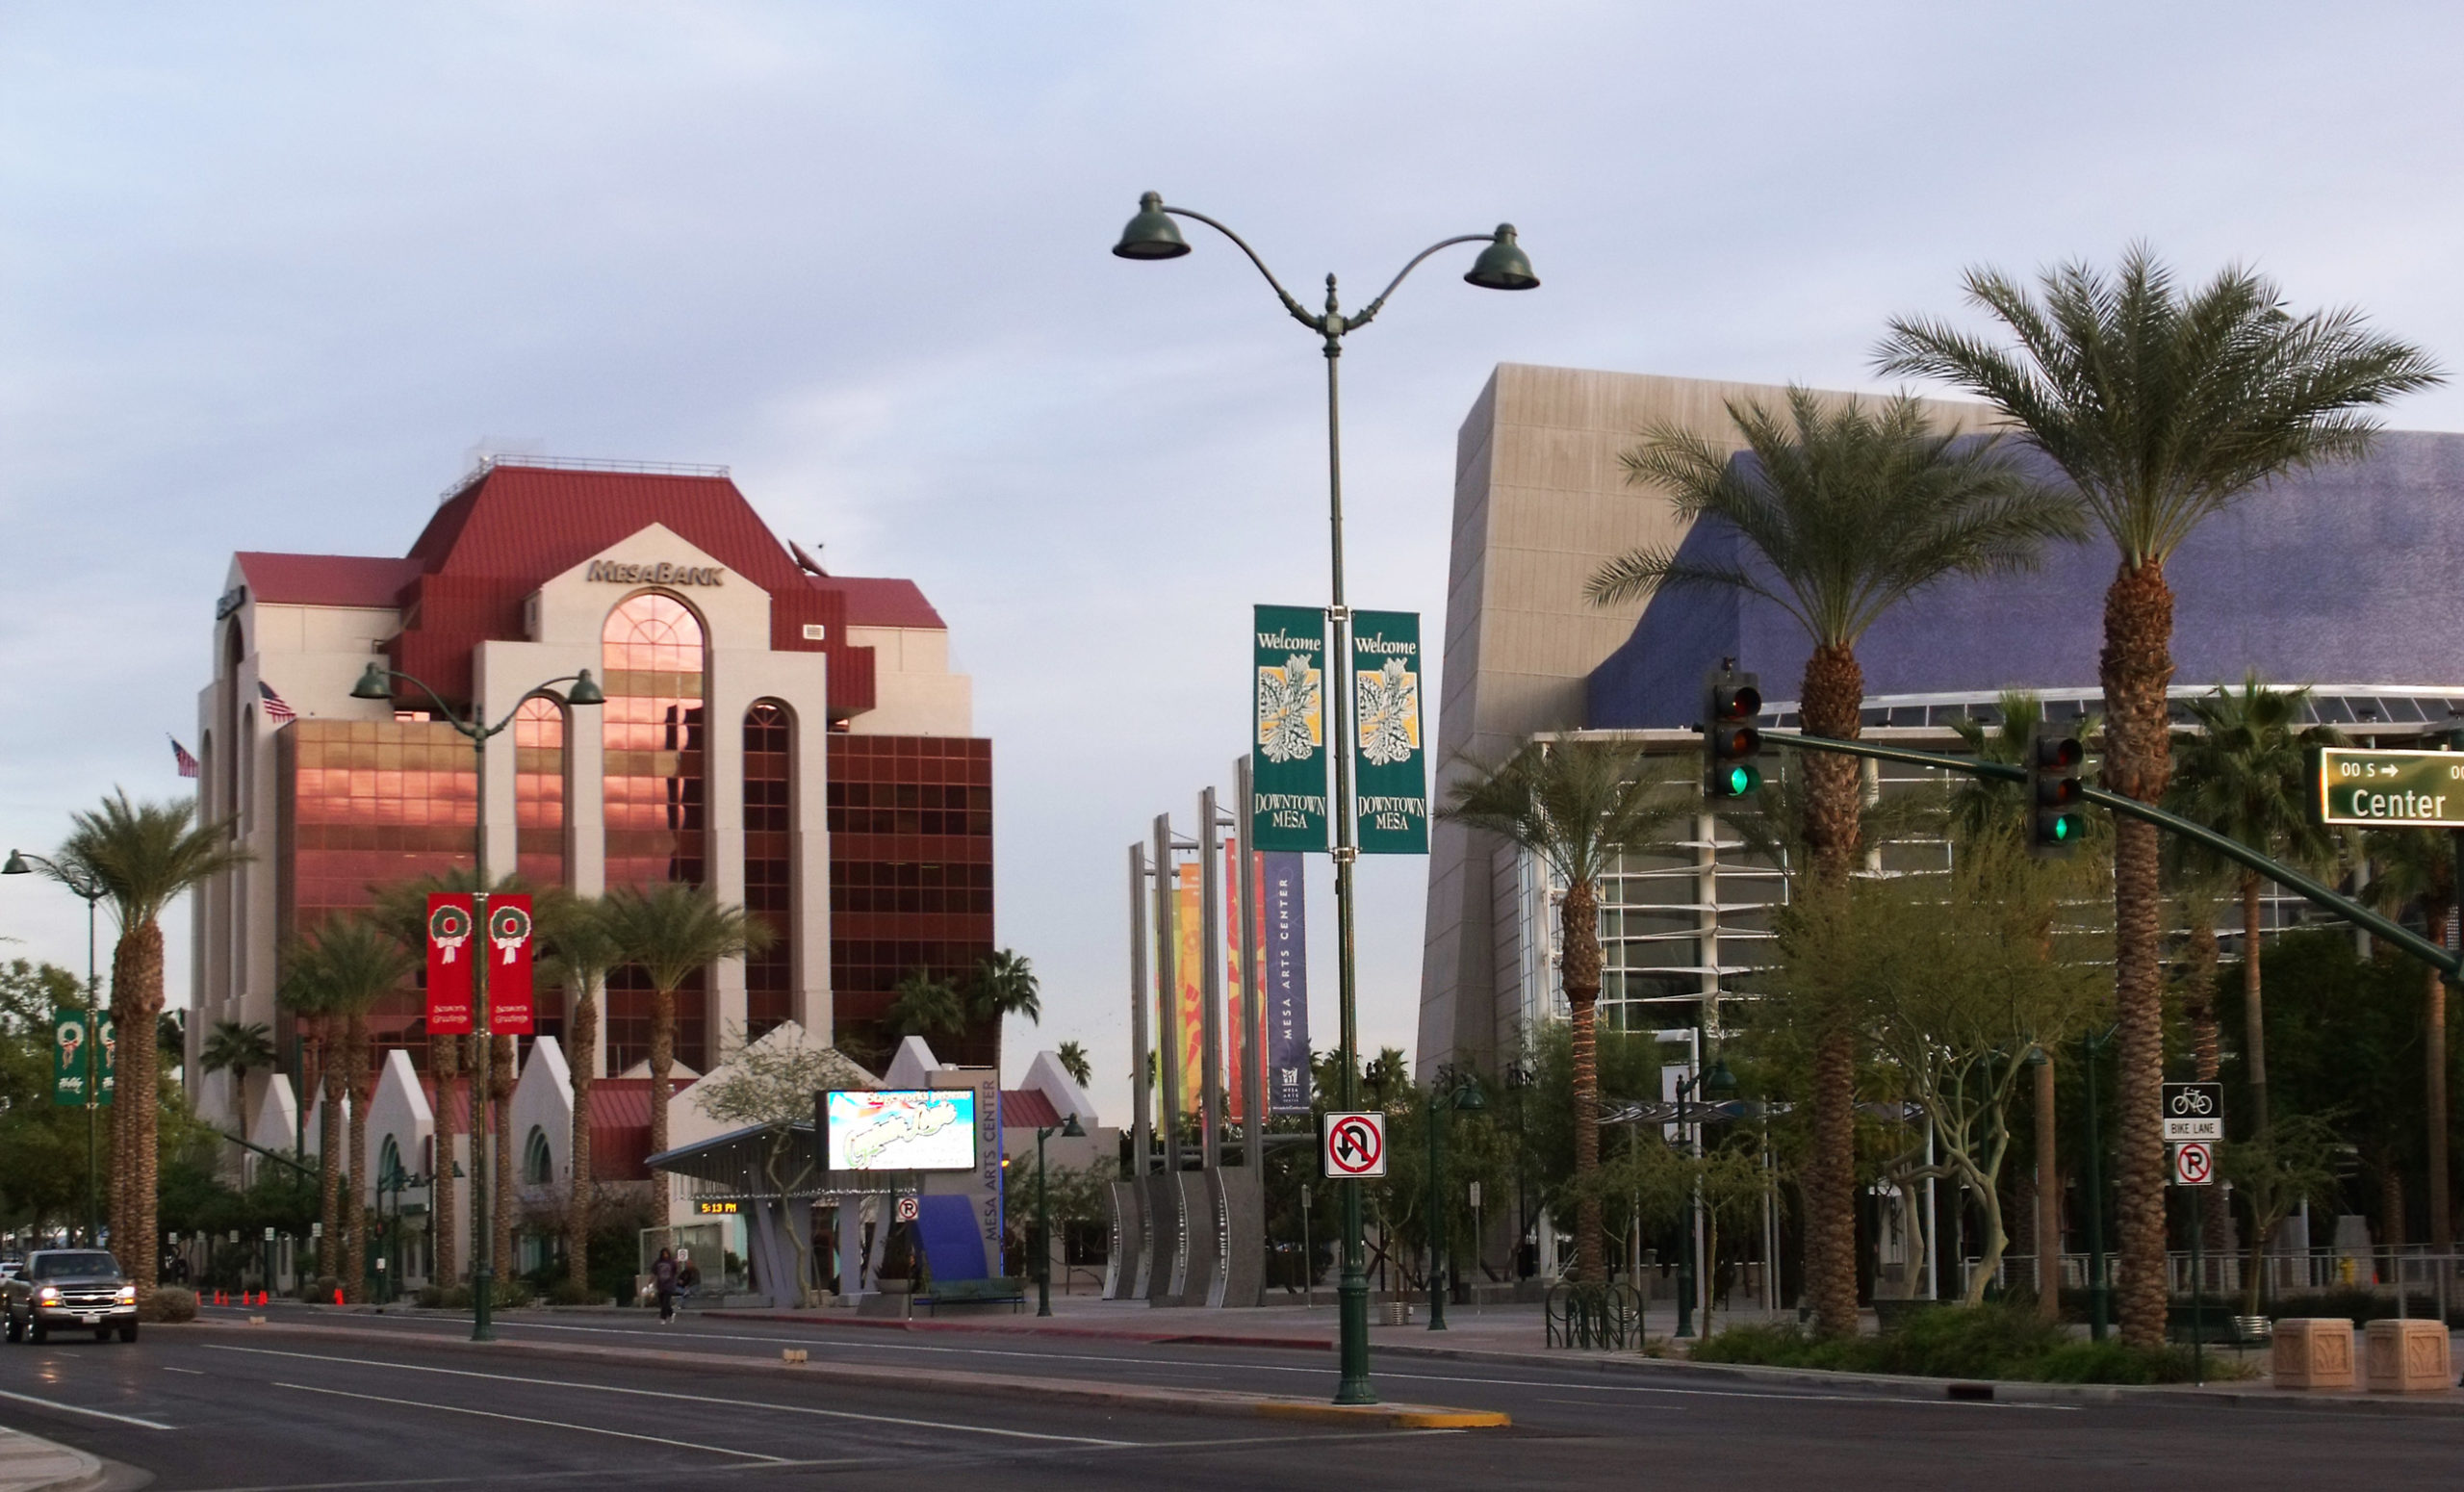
(996, 1289)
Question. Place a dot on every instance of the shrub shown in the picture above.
(564, 1291)
(170, 1303)
(1967, 1342)
(509, 1295)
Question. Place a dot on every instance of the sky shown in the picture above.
(270, 274)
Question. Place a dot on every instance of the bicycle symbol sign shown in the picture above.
(1353, 1146)
(2193, 1111)
(2194, 1164)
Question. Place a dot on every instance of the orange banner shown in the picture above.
(1189, 927)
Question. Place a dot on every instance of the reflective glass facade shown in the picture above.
(911, 871)
(655, 781)
(769, 864)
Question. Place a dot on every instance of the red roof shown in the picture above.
(876, 601)
(327, 580)
(1027, 1108)
(620, 1126)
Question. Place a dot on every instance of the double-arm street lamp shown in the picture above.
(1068, 1129)
(88, 887)
(1718, 1086)
(377, 685)
(1445, 1097)
(1152, 234)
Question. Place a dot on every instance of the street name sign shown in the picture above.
(1352, 1146)
(2193, 1111)
(2380, 788)
(2195, 1164)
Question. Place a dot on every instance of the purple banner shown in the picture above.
(1285, 956)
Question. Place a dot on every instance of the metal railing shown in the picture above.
(1605, 1317)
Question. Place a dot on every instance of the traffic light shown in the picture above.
(1730, 743)
(2056, 822)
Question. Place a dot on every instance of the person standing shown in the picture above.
(665, 1279)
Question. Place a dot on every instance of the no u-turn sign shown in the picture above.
(1352, 1146)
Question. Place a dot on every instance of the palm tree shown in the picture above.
(2244, 772)
(1574, 805)
(305, 994)
(1004, 985)
(238, 1050)
(2417, 866)
(672, 932)
(1848, 512)
(1074, 1060)
(2163, 408)
(143, 855)
(580, 950)
(926, 1006)
(354, 961)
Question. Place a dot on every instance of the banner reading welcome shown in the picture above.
(1288, 785)
(1389, 765)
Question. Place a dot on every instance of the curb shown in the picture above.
(1209, 1402)
(1086, 1333)
(30, 1463)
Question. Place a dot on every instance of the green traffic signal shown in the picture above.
(1730, 741)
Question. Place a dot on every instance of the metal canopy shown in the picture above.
(732, 1167)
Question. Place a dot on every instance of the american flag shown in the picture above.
(181, 758)
(276, 709)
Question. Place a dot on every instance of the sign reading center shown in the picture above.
(1352, 1146)
(2350, 786)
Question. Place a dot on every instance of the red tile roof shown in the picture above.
(327, 580)
(1027, 1108)
(873, 601)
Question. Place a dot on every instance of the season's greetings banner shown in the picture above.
(1390, 769)
(1288, 783)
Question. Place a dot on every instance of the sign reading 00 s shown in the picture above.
(2383, 789)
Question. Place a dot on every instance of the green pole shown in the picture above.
(483, 1261)
(2097, 1304)
(1438, 1111)
(2198, 1300)
(1043, 1234)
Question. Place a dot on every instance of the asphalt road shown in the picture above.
(280, 1409)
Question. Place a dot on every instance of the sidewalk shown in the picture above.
(27, 1464)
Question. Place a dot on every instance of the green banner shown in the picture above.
(1390, 766)
(1288, 780)
(106, 1053)
(72, 1056)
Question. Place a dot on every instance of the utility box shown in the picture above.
(2313, 1352)
(2407, 1357)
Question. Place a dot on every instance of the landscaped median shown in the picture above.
(2011, 1344)
(1086, 1391)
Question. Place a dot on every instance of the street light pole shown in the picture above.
(1501, 266)
(377, 683)
(1446, 1095)
(88, 886)
(2099, 1294)
(1069, 1129)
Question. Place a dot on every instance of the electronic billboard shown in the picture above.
(899, 1129)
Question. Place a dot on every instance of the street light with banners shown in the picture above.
(377, 683)
(87, 886)
(1152, 234)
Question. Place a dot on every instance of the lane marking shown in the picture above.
(100, 1414)
(523, 1419)
(704, 1398)
(195, 1372)
(1738, 1392)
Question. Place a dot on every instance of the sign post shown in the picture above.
(2193, 1114)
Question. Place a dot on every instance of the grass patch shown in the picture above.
(1967, 1342)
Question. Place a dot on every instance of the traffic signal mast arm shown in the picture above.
(2232, 849)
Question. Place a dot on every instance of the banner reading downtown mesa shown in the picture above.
(1287, 786)
(1390, 767)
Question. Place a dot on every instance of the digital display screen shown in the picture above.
(899, 1129)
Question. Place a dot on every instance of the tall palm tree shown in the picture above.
(1072, 1056)
(927, 1006)
(2417, 867)
(672, 932)
(2244, 772)
(238, 1048)
(143, 855)
(2163, 408)
(1004, 985)
(1847, 511)
(304, 993)
(1574, 806)
(580, 950)
(354, 961)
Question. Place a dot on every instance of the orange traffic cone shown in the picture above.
(337, 1295)
(219, 1298)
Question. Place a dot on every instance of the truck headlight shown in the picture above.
(127, 1295)
(48, 1295)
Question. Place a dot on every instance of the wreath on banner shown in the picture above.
(509, 928)
(448, 927)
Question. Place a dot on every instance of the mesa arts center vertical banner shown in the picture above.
(1287, 781)
(1390, 767)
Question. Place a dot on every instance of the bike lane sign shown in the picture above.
(1352, 1146)
(2193, 1111)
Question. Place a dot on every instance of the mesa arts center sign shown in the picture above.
(615, 574)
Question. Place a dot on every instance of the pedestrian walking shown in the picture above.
(665, 1279)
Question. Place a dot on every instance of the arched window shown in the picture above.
(539, 791)
(769, 863)
(653, 648)
(538, 1163)
(388, 1162)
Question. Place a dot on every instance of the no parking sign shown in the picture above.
(2193, 1164)
(1352, 1146)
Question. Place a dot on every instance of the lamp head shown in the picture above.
(1722, 1084)
(1469, 1099)
(1501, 266)
(585, 690)
(1071, 1129)
(16, 865)
(1152, 234)
(374, 684)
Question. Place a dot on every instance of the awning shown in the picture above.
(730, 1167)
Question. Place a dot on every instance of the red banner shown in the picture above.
(509, 945)
(451, 952)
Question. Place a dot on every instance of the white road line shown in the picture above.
(523, 1419)
(1733, 1393)
(100, 1414)
(704, 1399)
(195, 1372)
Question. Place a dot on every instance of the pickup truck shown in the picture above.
(69, 1288)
